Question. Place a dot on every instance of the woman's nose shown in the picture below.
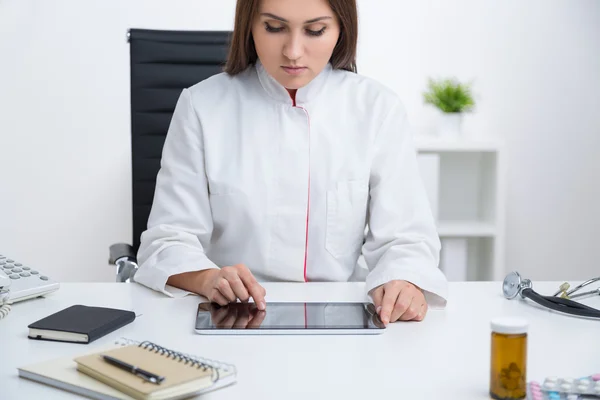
(293, 49)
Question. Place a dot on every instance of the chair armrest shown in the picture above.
(123, 256)
(121, 250)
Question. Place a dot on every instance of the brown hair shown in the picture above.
(242, 51)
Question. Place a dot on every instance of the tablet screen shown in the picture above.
(288, 316)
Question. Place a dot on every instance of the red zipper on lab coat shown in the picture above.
(307, 217)
(293, 96)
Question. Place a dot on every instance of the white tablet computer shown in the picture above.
(288, 318)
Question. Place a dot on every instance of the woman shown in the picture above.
(272, 170)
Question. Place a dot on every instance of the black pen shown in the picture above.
(148, 376)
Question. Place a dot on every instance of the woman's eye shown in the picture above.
(315, 33)
(273, 29)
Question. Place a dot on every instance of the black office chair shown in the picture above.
(163, 63)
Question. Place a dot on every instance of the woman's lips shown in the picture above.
(294, 70)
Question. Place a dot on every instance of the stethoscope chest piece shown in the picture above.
(513, 285)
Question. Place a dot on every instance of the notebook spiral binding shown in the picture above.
(193, 360)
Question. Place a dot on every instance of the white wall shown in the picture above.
(64, 115)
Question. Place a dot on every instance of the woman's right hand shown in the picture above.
(228, 284)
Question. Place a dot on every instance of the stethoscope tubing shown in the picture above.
(561, 305)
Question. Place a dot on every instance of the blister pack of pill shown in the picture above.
(556, 388)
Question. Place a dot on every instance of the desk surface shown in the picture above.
(445, 356)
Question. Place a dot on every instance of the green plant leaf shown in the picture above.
(449, 95)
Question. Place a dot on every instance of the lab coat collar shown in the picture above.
(304, 95)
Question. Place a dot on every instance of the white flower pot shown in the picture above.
(450, 124)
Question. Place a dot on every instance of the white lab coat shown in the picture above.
(248, 177)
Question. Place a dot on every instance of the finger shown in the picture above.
(377, 296)
(257, 319)
(225, 289)
(238, 287)
(408, 306)
(390, 295)
(403, 301)
(422, 313)
(256, 291)
(218, 298)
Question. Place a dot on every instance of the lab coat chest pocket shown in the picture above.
(346, 215)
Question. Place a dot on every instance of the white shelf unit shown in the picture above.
(465, 181)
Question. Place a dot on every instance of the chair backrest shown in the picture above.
(163, 63)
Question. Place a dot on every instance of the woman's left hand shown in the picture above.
(399, 300)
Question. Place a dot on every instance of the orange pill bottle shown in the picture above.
(508, 359)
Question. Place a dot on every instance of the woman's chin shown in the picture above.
(294, 83)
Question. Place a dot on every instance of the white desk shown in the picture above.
(451, 345)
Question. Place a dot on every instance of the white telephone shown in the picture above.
(19, 282)
(4, 291)
(4, 280)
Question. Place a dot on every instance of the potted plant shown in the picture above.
(453, 99)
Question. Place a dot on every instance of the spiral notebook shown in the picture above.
(89, 375)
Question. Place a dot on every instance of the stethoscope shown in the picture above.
(514, 285)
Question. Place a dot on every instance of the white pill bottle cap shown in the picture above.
(509, 325)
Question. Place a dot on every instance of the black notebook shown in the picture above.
(80, 324)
